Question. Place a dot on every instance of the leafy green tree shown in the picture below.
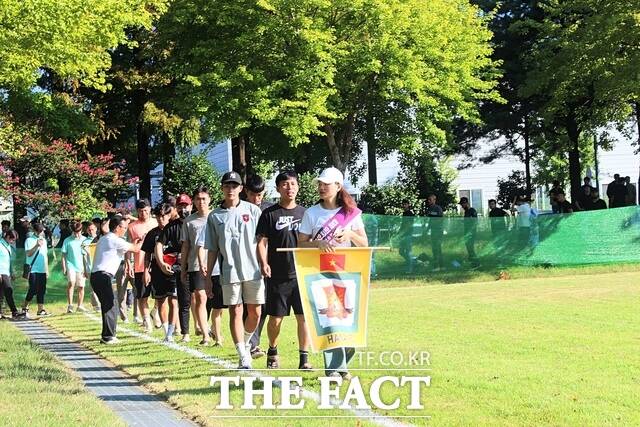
(565, 65)
(509, 188)
(190, 171)
(312, 69)
(69, 37)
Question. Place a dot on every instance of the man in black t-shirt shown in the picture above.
(563, 204)
(497, 215)
(406, 235)
(161, 285)
(470, 226)
(596, 202)
(278, 228)
(167, 254)
(436, 226)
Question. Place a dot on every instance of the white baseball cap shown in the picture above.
(330, 175)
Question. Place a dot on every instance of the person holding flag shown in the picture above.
(334, 222)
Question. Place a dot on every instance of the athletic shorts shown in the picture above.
(163, 286)
(76, 278)
(282, 295)
(196, 281)
(216, 302)
(247, 292)
(142, 291)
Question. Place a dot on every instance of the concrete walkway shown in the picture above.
(118, 390)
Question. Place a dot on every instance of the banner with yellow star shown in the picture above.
(334, 289)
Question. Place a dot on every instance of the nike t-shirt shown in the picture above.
(280, 227)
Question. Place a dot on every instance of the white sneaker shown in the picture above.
(168, 338)
(245, 362)
(70, 308)
(186, 338)
(137, 319)
(112, 341)
(81, 309)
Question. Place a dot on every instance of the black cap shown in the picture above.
(463, 200)
(142, 203)
(232, 177)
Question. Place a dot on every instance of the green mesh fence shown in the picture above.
(594, 237)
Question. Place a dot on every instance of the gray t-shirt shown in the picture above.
(191, 228)
(232, 232)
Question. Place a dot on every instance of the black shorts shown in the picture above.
(216, 301)
(163, 286)
(196, 281)
(282, 295)
(142, 291)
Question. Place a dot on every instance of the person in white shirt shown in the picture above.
(110, 251)
(321, 229)
(37, 257)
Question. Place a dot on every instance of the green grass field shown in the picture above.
(36, 390)
(552, 350)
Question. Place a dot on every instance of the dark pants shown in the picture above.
(101, 284)
(184, 304)
(337, 359)
(7, 290)
(37, 287)
(255, 338)
(470, 243)
(436, 250)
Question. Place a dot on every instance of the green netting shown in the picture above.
(594, 237)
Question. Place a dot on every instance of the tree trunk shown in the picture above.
(239, 155)
(574, 157)
(372, 145)
(527, 157)
(142, 147)
(340, 148)
(168, 154)
(637, 104)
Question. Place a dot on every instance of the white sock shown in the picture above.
(165, 328)
(170, 328)
(240, 349)
(247, 338)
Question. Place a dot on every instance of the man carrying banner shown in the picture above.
(278, 228)
(231, 231)
(335, 221)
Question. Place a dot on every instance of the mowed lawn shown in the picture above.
(545, 351)
(36, 390)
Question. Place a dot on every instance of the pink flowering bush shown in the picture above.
(58, 181)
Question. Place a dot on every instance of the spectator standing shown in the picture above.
(563, 204)
(406, 236)
(436, 226)
(553, 196)
(596, 202)
(7, 255)
(470, 229)
(498, 218)
(632, 195)
(37, 257)
(73, 265)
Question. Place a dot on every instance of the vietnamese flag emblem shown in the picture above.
(332, 262)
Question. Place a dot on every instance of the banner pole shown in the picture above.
(337, 248)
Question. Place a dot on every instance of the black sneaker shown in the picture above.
(18, 315)
(43, 312)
